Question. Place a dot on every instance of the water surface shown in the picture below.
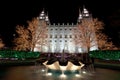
(39, 73)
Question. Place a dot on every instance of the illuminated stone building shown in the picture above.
(61, 36)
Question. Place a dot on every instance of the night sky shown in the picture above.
(19, 12)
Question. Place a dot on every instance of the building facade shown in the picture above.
(61, 37)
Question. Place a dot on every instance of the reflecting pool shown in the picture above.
(41, 73)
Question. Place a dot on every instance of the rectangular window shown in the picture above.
(46, 36)
(75, 36)
(60, 36)
(55, 36)
(65, 36)
(50, 36)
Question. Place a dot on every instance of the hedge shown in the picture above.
(106, 54)
(18, 54)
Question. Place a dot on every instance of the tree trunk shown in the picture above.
(32, 48)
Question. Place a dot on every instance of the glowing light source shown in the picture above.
(69, 66)
(63, 76)
(85, 10)
(49, 74)
(77, 75)
(84, 72)
(43, 70)
(63, 68)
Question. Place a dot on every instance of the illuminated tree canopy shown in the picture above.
(90, 34)
(28, 37)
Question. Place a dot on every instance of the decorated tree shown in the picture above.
(33, 34)
(21, 41)
(38, 32)
(90, 35)
(1, 44)
(103, 41)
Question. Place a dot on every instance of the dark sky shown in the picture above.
(19, 12)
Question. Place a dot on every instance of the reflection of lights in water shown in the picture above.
(43, 70)
(63, 76)
(49, 74)
(84, 72)
(78, 75)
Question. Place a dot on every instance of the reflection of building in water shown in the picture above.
(61, 36)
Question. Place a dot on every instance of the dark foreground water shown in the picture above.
(40, 73)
